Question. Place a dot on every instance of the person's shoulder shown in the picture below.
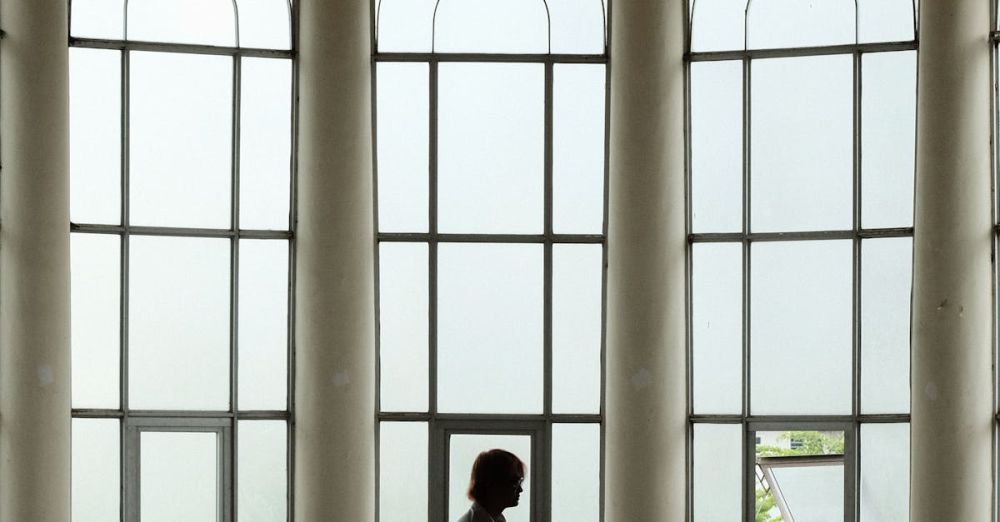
(466, 517)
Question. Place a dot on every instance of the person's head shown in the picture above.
(496, 479)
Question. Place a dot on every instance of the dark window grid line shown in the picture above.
(137, 45)
(995, 211)
(856, 234)
(489, 58)
(432, 238)
(792, 52)
(142, 230)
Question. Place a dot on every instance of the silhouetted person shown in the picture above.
(495, 485)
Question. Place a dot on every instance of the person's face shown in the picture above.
(513, 489)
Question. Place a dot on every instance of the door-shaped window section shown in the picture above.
(461, 443)
(176, 459)
(799, 474)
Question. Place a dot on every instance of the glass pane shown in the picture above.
(462, 452)
(95, 135)
(888, 134)
(405, 25)
(180, 139)
(265, 24)
(402, 495)
(800, 327)
(794, 23)
(801, 143)
(207, 22)
(403, 146)
(96, 312)
(487, 26)
(717, 327)
(97, 19)
(885, 20)
(263, 471)
(403, 326)
(265, 143)
(577, 26)
(716, 146)
(718, 25)
(263, 325)
(178, 323)
(175, 465)
(490, 328)
(490, 143)
(718, 457)
(800, 475)
(576, 328)
(578, 148)
(886, 275)
(576, 472)
(96, 470)
(885, 472)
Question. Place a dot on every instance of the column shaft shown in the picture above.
(335, 294)
(952, 417)
(34, 263)
(646, 400)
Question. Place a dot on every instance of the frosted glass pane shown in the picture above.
(490, 328)
(717, 327)
(403, 326)
(717, 463)
(463, 450)
(718, 25)
(888, 134)
(576, 472)
(487, 26)
(577, 26)
(181, 125)
(490, 146)
(96, 327)
(886, 275)
(96, 471)
(265, 24)
(179, 323)
(265, 143)
(263, 471)
(176, 466)
(800, 327)
(885, 20)
(97, 19)
(801, 143)
(95, 135)
(814, 493)
(578, 149)
(794, 23)
(717, 146)
(208, 22)
(263, 325)
(576, 328)
(402, 495)
(403, 146)
(405, 25)
(885, 472)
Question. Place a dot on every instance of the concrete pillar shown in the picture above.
(34, 263)
(646, 415)
(952, 405)
(335, 289)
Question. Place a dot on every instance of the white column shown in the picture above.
(952, 406)
(646, 414)
(34, 263)
(335, 289)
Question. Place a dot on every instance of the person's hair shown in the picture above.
(492, 467)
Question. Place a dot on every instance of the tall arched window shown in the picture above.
(181, 133)
(802, 131)
(491, 223)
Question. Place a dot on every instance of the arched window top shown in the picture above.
(491, 26)
(725, 25)
(229, 23)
